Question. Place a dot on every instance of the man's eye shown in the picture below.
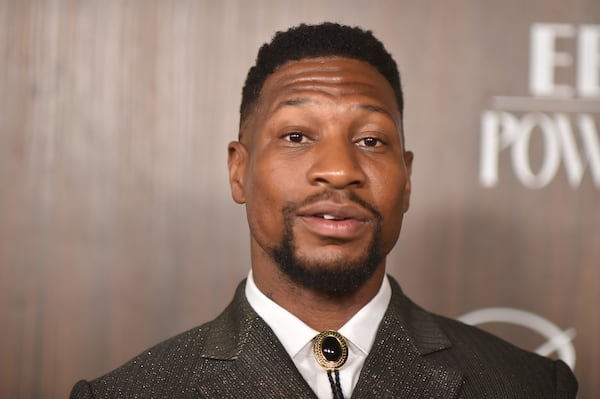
(369, 142)
(295, 137)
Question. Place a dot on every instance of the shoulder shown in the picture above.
(492, 364)
(172, 362)
(472, 342)
(170, 368)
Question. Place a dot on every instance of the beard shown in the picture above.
(333, 277)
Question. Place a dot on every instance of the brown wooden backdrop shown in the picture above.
(116, 225)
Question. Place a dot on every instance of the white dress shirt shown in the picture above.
(296, 337)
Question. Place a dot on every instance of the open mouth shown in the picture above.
(327, 216)
(333, 225)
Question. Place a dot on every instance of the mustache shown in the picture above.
(338, 196)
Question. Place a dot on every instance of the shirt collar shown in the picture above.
(294, 333)
(362, 327)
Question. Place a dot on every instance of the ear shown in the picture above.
(237, 163)
(408, 161)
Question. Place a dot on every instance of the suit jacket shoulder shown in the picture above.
(437, 353)
(234, 356)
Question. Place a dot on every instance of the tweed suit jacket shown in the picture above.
(416, 354)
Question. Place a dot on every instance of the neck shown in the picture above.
(318, 310)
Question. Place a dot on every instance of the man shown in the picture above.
(322, 169)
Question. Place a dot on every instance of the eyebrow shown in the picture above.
(374, 108)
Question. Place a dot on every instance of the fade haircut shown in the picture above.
(312, 41)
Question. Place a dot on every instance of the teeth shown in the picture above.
(329, 217)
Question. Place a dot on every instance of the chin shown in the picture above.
(332, 274)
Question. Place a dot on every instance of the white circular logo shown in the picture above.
(557, 340)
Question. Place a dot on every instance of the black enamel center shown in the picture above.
(332, 350)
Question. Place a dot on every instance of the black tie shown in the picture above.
(331, 352)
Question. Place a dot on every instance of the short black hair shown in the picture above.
(312, 41)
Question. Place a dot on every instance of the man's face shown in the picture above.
(323, 172)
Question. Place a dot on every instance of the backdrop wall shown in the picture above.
(116, 225)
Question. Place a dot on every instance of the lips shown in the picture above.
(334, 220)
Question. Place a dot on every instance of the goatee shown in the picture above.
(335, 278)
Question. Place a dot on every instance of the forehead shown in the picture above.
(328, 78)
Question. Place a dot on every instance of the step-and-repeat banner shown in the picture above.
(116, 225)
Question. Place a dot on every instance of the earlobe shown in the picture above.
(237, 162)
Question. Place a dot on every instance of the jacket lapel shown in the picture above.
(250, 362)
(398, 365)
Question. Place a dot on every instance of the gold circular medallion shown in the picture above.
(330, 349)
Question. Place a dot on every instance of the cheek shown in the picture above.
(266, 196)
(389, 194)
(268, 185)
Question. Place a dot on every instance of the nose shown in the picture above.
(337, 165)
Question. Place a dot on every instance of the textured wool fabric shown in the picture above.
(416, 355)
